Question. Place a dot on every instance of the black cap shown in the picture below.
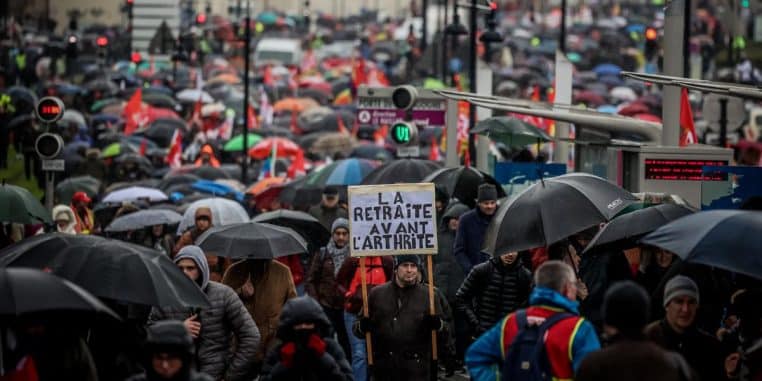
(331, 191)
(168, 335)
(487, 192)
(626, 307)
(400, 259)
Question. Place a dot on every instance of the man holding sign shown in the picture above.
(401, 319)
(400, 324)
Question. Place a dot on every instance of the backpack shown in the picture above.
(526, 359)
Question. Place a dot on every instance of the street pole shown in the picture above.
(723, 122)
(444, 45)
(687, 39)
(673, 66)
(472, 75)
(425, 33)
(562, 35)
(246, 65)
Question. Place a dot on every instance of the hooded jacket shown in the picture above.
(71, 226)
(448, 275)
(332, 365)
(169, 337)
(215, 353)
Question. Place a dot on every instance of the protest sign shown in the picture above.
(392, 219)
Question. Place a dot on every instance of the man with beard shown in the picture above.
(400, 324)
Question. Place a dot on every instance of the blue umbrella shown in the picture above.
(609, 109)
(719, 238)
(350, 172)
(611, 80)
(607, 69)
(216, 189)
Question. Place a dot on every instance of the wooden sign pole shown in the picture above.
(432, 308)
(363, 282)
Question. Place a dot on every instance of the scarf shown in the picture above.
(338, 255)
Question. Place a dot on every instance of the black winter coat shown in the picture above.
(700, 350)
(491, 291)
(215, 353)
(470, 238)
(331, 366)
(401, 341)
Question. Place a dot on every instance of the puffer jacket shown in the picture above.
(321, 281)
(331, 366)
(215, 353)
(491, 291)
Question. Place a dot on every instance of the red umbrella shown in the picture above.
(590, 98)
(283, 148)
(648, 117)
(634, 109)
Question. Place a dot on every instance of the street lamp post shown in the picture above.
(246, 65)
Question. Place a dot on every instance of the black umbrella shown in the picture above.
(108, 268)
(161, 130)
(401, 171)
(463, 183)
(252, 240)
(728, 239)
(625, 230)
(144, 218)
(66, 189)
(306, 225)
(552, 210)
(371, 152)
(210, 173)
(296, 193)
(30, 291)
(187, 178)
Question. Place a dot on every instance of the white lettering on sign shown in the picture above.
(392, 219)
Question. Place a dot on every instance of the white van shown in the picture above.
(282, 51)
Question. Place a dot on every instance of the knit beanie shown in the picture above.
(340, 223)
(487, 192)
(400, 259)
(626, 307)
(680, 286)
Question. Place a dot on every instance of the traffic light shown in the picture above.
(404, 97)
(404, 133)
(652, 43)
(48, 145)
(49, 109)
(745, 3)
(201, 19)
(71, 47)
(101, 41)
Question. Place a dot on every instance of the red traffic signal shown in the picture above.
(136, 57)
(49, 109)
(493, 5)
(101, 41)
(651, 34)
(201, 18)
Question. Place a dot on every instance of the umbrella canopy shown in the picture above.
(342, 172)
(552, 210)
(283, 148)
(161, 130)
(261, 185)
(590, 98)
(194, 95)
(252, 240)
(187, 178)
(216, 189)
(224, 212)
(143, 219)
(236, 143)
(305, 224)
(511, 131)
(333, 143)
(108, 268)
(625, 230)
(718, 238)
(634, 109)
(371, 152)
(623, 94)
(31, 291)
(116, 149)
(463, 183)
(204, 172)
(295, 104)
(401, 171)
(135, 193)
(66, 189)
(19, 206)
(607, 69)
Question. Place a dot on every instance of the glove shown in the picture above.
(432, 322)
(287, 354)
(316, 345)
(365, 325)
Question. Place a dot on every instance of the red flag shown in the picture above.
(252, 118)
(687, 129)
(434, 150)
(143, 146)
(342, 127)
(359, 76)
(132, 112)
(355, 128)
(297, 166)
(294, 126)
(268, 76)
(536, 93)
(174, 154)
(379, 136)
